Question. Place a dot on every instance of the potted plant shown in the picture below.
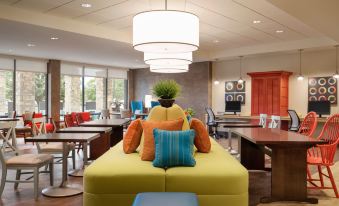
(166, 91)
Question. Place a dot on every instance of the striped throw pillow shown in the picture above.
(173, 148)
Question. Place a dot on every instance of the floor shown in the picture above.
(259, 186)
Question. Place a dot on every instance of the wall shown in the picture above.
(314, 64)
(195, 92)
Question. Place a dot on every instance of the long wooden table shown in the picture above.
(115, 124)
(65, 190)
(98, 146)
(289, 153)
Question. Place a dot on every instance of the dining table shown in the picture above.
(117, 126)
(65, 189)
(288, 157)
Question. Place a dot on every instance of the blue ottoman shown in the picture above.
(166, 199)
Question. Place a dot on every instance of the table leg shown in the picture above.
(64, 190)
(230, 149)
(289, 175)
(252, 156)
(80, 172)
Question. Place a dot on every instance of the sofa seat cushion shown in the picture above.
(215, 173)
(118, 173)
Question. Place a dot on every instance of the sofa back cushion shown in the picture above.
(132, 136)
(202, 140)
(148, 127)
(173, 148)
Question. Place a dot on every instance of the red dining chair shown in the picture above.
(79, 118)
(309, 124)
(69, 121)
(323, 155)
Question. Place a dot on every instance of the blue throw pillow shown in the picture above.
(173, 148)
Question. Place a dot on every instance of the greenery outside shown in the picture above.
(166, 89)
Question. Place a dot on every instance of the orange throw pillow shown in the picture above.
(132, 136)
(202, 140)
(148, 152)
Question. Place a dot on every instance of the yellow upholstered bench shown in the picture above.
(115, 178)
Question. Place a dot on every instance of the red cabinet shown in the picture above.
(269, 93)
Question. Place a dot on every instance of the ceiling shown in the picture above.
(102, 34)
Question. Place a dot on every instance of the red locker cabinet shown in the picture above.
(269, 93)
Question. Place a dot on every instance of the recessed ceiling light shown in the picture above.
(216, 41)
(86, 5)
(256, 22)
(279, 31)
(30, 45)
(54, 38)
(10, 50)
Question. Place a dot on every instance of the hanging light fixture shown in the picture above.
(300, 76)
(165, 31)
(336, 74)
(240, 81)
(168, 59)
(169, 69)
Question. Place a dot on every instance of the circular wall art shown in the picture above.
(322, 81)
(332, 90)
(332, 98)
(322, 98)
(312, 91)
(322, 90)
(240, 86)
(312, 98)
(240, 97)
(312, 82)
(332, 81)
(229, 97)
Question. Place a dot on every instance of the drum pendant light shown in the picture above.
(168, 59)
(336, 74)
(165, 31)
(169, 69)
(240, 81)
(300, 76)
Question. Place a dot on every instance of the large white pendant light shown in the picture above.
(168, 59)
(300, 76)
(336, 74)
(165, 31)
(169, 69)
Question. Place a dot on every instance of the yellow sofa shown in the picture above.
(115, 178)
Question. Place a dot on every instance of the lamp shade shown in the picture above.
(169, 69)
(165, 31)
(168, 58)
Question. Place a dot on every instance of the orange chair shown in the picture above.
(323, 155)
(309, 124)
(69, 121)
(86, 116)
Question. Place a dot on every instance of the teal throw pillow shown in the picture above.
(173, 148)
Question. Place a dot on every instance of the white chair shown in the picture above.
(31, 162)
(263, 120)
(105, 114)
(39, 127)
(275, 122)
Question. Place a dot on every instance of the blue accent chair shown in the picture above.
(154, 103)
(136, 105)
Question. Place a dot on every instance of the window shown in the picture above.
(71, 88)
(6, 85)
(95, 89)
(30, 84)
(116, 89)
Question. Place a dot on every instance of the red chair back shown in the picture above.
(86, 116)
(330, 131)
(79, 118)
(309, 124)
(68, 118)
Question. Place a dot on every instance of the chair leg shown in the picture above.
(73, 158)
(51, 173)
(320, 176)
(309, 173)
(3, 180)
(18, 174)
(36, 183)
(332, 181)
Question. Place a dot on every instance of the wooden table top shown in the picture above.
(85, 130)
(64, 137)
(283, 118)
(8, 119)
(240, 125)
(105, 122)
(232, 121)
(269, 136)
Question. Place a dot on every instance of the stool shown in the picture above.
(166, 199)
